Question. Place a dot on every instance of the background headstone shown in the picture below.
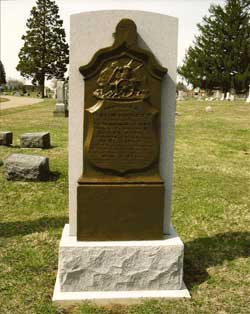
(26, 167)
(217, 95)
(35, 140)
(59, 92)
(181, 95)
(61, 99)
(209, 109)
(248, 98)
(6, 138)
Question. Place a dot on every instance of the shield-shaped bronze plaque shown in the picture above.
(122, 109)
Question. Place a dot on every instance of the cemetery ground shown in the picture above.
(2, 99)
(210, 213)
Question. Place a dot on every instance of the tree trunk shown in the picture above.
(41, 85)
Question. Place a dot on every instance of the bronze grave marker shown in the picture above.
(120, 194)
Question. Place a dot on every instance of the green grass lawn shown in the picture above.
(210, 212)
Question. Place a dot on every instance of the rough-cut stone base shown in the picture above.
(35, 140)
(6, 138)
(116, 271)
(26, 167)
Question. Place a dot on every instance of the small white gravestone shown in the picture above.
(180, 95)
(248, 98)
(228, 96)
(61, 105)
(115, 271)
(222, 97)
(232, 97)
(217, 95)
(209, 109)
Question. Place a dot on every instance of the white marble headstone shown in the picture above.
(60, 91)
(91, 31)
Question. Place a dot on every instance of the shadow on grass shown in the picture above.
(28, 149)
(54, 176)
(17, 228)
(203, 253)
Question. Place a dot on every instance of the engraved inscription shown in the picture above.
(122, 136)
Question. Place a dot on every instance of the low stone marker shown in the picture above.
(6, 138)
(35, 140)
(248, 98)
(26, 167)
(209, 109)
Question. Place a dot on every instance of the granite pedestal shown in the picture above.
(119, 271)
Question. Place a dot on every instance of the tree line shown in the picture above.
(219, 57)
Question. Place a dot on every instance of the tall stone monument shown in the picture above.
(119, 244)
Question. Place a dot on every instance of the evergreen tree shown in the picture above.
(2, 74)
(220, 55)
(45, 53)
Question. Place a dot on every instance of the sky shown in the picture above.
(14, 14)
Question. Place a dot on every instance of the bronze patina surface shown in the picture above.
(120, 212)
(121, 143)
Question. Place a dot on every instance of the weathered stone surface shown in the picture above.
(6, 138)
(61, 110)
(60, 91)
(60, 107)
(35, 140)
(120, 265)
(26, 167)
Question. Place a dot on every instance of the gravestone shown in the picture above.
(119, 244)
(217, 95)
(232, 97)
(61, 102)
(248, 98)
(208, 109)
(6, 138)
(35, 140)
(227, 96)
(26, 167)
(180, 95)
